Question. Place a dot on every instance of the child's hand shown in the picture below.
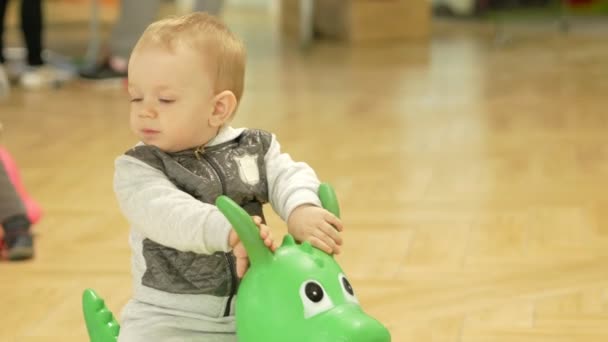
(239, 251)
(265, 233)
(317, 225)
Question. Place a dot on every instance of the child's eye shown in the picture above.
(136, 99)
(166, 100)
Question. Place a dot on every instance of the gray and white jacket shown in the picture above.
(181, 258)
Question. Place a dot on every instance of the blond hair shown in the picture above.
(223, 50)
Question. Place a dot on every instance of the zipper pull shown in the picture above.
(199, 151)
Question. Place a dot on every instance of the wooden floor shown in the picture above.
(473, 181)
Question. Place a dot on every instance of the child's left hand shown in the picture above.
(239, 251)
(318, 226)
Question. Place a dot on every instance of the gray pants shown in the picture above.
(136, 15)
(10, 202)
(141, 322)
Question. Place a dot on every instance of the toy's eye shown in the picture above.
(349, 293)
(314, 292)
(314, 298)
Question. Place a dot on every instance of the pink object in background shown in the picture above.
(34, 212)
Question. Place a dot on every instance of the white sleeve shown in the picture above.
(165, 214)
(290, 184)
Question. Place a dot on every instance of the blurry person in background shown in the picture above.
(134, 17)
(37, 73)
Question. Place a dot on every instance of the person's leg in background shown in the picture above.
(134, 17)
(31, 26)
(18, 241)
(3, 4)
(211, 6)
(4, 83)
(37, 73)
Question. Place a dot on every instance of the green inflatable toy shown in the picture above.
(298, 293)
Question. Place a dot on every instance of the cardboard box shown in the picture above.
(361, 20)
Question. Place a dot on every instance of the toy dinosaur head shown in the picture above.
(298, 293)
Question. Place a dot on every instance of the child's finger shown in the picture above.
(268, 241)
(331, 232)
(266, 236)
(270, 244)
(239, 251)
(318, 243)
(242, 264)
(273, 246)
(321, 235)
(264, 231)
(333, 247)
(257, 220)
(334, 221)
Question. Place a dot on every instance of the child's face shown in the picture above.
(171, 98)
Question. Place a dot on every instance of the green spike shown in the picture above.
(328, 199)
(288, 240)
(246, 229)
(105, 315)
(307, 247)
(114, 327)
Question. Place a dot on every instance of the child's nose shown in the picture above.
(148, 111)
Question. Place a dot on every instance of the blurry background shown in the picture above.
(466, 140)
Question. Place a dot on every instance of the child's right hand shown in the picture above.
(239, 251)
(317, 225)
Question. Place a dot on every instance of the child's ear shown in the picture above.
(224, 104)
